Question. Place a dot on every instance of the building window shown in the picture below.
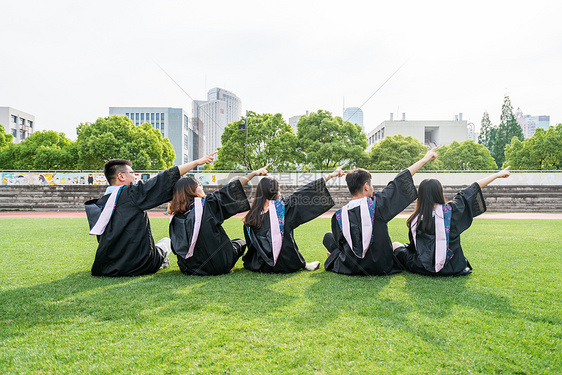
(137, 117)
(152, 117)
(142, 116)
(22, 121)
(157, 116)
(157, 125)
(162, 116)
(126, 114)
(162, 127)
(14, 119)
(14, 133)
(30, 123)
(147, 117)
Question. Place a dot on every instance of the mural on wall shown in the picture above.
(97, 178)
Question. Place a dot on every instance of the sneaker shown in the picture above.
(165, 264)
(312, 266)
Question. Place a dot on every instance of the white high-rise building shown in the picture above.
(220, 109)
(173, 123)
(529, 124)
(17, 123)
(354, 115)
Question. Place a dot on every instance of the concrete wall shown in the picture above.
(499, 198)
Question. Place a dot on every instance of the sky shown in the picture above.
(67, 62)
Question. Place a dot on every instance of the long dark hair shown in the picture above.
(430, 192)
(268, 189)
(184, 193)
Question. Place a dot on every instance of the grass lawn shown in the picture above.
(504, 318)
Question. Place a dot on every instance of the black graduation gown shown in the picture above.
(126, 248)
(303, 205)
(214, 253)
(466, 205)
(379, 258)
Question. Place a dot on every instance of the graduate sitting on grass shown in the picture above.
(198, 238)
(359, 243)
(125, 243)
(270, 223)
(435, 228)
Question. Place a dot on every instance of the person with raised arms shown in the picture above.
(198, 238)
(269, 225)
(359, 243)
(125, 243)
(435, 226)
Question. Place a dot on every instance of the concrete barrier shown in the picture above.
(499, 198)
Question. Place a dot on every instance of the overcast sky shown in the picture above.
(67, 62)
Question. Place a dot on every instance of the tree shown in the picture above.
(5, 139)
(487, 131)
(396, 152)
(466, 156)
(42, 150)
(270, 140)
(116, 137)
(507, 129)
(543, 151)
(328, 142)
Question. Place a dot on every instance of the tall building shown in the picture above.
(220, 109)
(17, 123)
(431, 133)
(354, 115)
(173, 123)
(529, 124)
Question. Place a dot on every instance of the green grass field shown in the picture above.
(504, 318)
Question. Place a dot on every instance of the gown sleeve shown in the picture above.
(227, 201)
(307, 203)
(156, 191)
(467, 204)
(395, 197)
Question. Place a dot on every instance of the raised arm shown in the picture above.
(429, 156)
(260, 172)
(337, 173)
(184, 168)
(504, 173)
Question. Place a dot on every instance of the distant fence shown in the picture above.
(456, 178)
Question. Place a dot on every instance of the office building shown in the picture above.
(172, 123)
(529, 124)
(17, 123)
(220, 109)
(354, 115)
(431, 133)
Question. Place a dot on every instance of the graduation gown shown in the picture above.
(379, 258)
(126, 248)
(214, 253)
(420, 258)
(303, 205)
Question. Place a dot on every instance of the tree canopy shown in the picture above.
(270, 140)
(116, 137)
(42, 150)
(328, 141)
(543, 151)
(5, 138)
(465, 156)
(396, 152)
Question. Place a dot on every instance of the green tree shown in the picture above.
(116, 137)
(42, 150)
(466, 156)
(328, 142)
(507, 129)
(543, 151)
(270, 140)
(397, 152)
(5, 139)
(487, 131)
